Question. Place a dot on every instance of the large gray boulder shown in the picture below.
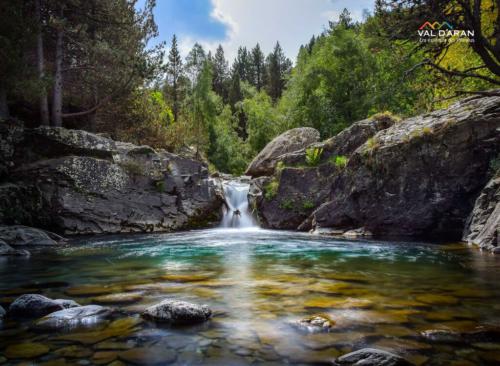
(33, 305)
(289, 141)
(371, 357)
(76, 182)
(177, 312)
(483, 226)
(419, 177)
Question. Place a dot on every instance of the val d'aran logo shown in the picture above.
(440, 31)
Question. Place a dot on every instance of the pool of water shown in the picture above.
(380, 294)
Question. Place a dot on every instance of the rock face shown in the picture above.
(33, 305)
(417, 177)
(289, 141)
(75, 182)
(177, 312)
(483, 226)
(371, 357)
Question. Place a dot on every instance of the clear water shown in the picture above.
(237, 214)
(379, 294)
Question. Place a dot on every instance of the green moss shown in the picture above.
(386, 115)
(160, 186)
(307, 204)
(372, 143)
(271, 189)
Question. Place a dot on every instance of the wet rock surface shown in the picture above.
(7, 250)
(73, 317)
(371, 357)
(314, 324)
(19, 235)
(483, 226)
(88, 184)
(33, 305)
(177, 312)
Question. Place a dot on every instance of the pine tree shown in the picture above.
(257, 68)
(174, 74)
(278, 67)
(242, 64)
(195, 62)
(220, 71)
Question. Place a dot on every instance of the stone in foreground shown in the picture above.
(33, 305)
(74, 317)
(314, 324)
(16, 235)
(371, 357)
(177, 312)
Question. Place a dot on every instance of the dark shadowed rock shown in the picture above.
(7, 250)
(33, 305)
(371, 357)
(17, 235)
(73, 317)
(483, 225)
(67, 303)
(2, 312)
(177, 312)
(289, 141)
(419, 177)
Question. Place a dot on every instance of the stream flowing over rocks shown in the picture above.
(76, 182)
(421, 177)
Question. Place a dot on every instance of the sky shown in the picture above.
(234, 23)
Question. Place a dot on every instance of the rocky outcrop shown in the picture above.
(372, 357)
(177, 312)
(483, 225)
(75, 182)
(289, 141)
(417, 177)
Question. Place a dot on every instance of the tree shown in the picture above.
(174, 76)
(195, 61)
(277, 67)
(220, 73)
(242, 64)
(482, 18)
(257, 74)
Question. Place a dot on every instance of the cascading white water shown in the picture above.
(237, 214)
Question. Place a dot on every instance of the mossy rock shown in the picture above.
(26, 350)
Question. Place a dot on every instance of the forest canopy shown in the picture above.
(89, 65)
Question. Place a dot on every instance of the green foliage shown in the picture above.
(495, 165)
(271, 189)
(308, 205)
(160, 186)
(340, 161)
(386, 115)
(372, 143)
(313, 155)
(287, 204)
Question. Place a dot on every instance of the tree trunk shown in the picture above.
(58, 87)
(4, 107)
(44, 105)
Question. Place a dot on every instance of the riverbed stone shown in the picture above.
(120, 298)
(89, 315)
(177, 312)
(26, 350)
(33, 305)
(441, 335)
(371, 357)
(317, 323)
(19, 235)
(153, 355)
(73, 351)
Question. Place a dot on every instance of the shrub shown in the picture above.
(386, 116)
(340, 161)
(307, 204)
(271, 189)
(313, 155)
(160, 186)
(280, 166)
(287, 204)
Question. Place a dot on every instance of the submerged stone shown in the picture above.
(154, 355)
(73, 351)
(314, 324)
(371, 357)
(120, 298)
(26, 350)
(177, 312)
(88, 290)
(89, 315)
(186, 277)
(434, 299)
(329, 303)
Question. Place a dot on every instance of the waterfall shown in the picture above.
(237, 214)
